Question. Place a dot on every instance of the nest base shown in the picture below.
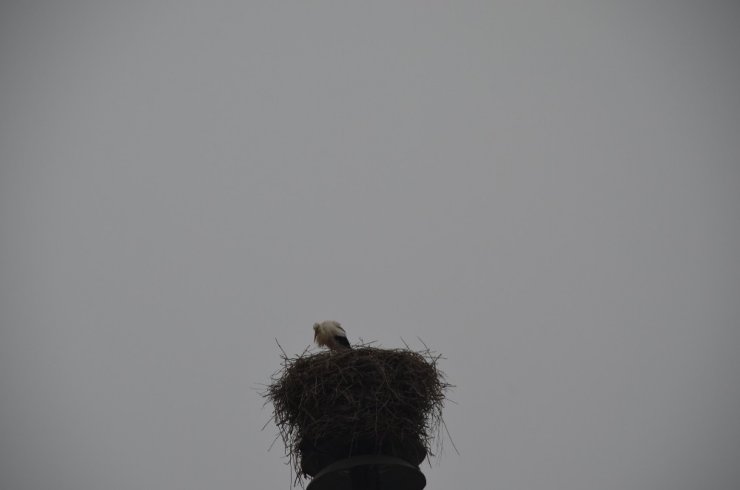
(316, 455)
(369, 473)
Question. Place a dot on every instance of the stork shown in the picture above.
(330, 334)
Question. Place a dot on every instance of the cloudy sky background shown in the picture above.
(545, 192)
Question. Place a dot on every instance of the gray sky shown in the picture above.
(545, 192)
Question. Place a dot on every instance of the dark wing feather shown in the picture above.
(342, 341)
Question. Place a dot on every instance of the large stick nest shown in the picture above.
(364, 400)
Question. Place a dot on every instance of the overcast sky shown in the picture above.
(545, 192)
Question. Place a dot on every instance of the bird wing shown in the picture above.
(341, 340)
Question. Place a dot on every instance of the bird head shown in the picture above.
(315, 330)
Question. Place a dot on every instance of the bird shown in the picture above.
(330, 334)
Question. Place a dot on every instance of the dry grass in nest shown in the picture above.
(392, 397)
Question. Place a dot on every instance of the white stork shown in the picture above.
(330, 334)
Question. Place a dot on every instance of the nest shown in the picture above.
(367, 400)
